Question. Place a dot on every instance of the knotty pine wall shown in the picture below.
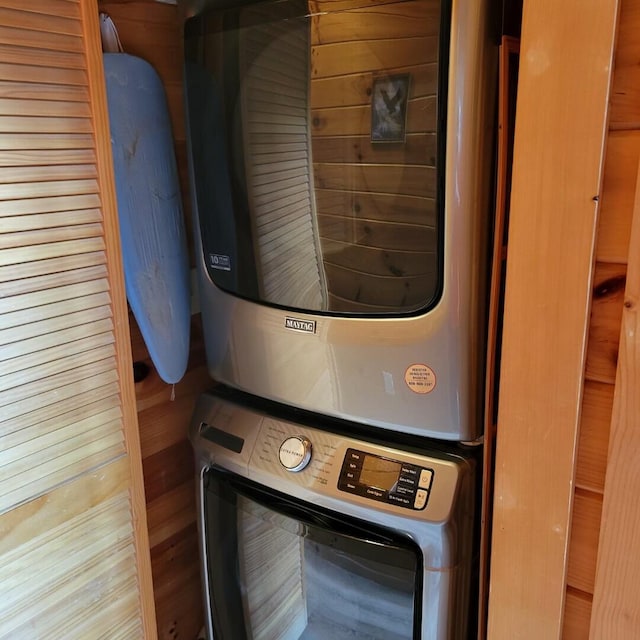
(561, 124)
(152, 30)
(612, 255)
(375, 202)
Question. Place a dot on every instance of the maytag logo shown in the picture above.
(308, 326)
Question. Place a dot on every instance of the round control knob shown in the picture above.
(295, 453)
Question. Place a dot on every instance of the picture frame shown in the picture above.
(389, 97)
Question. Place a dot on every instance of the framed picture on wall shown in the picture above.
(389, 96)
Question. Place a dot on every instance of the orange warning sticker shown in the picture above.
(420, 378)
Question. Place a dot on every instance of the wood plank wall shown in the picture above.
(612, 254)
(560, 129)
(375, 202)
(616, 610)
(152, 30)
(74, 555)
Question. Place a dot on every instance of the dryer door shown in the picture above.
(278, 569)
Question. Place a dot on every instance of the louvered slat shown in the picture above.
(45, 236)
(21, 377)
(54, 294)
(68, 466)
(51, 339)
(63, 8)
(49, 108)
(13, 85)
(66, 202)
(49, 220)
(50, 250)
(16, 319)
(26, 55)
(101, 389)
(47, 189)
(20, 464)
(45, 274)
(88, 416)
(61, 555)
(14, 401)
(47, 22)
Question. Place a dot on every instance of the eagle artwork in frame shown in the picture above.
(389, 96)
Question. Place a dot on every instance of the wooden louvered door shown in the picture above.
(74, 559)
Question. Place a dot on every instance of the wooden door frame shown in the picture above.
(561, 125)
(106, 179)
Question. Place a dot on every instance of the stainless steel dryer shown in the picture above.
(307, 534)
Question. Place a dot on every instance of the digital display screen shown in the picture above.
(379, 473)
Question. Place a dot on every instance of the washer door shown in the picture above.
(278, 569)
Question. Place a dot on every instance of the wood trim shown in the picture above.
(97, 89)
(557, 174)
(616, 611)
(509, 47)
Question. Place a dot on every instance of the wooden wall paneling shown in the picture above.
(606, 313)
(612, 251)
(377, 206)
(623, 152)
(328, 60)
(616, 614)
(556, 180)
(591, 464)
(389, 262)
(381, 178)
(178, 581)
(418, 149)
(577, 613)
(366, 191)
(625, 92)
(376, 289)
(356, 121)
(353, 89)
(413, 19)
(376, 234)
(583, 545)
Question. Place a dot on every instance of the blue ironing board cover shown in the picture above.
(152, 232)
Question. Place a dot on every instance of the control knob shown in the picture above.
(295, 453)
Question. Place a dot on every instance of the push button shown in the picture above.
(426, 475)
(421, 499)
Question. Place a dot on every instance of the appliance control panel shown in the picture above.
(386, 480)
(329, 468)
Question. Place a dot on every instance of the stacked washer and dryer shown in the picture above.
(340, 156)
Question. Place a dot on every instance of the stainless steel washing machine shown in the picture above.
(310, 534)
